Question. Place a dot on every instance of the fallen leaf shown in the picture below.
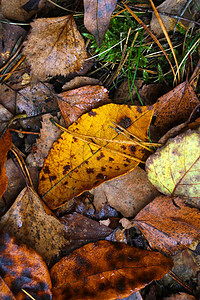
(34, 101)
(5, 292)
(175, 107)
(75, 164)
(31, 5)
(83, 230)
(22, 268)
(106, 270)
(97, 15)
(54, 47)
(149, 93)
(28, 220)
(75, 103)
(169, 228)
(175, 8)
(17, 9)
(128, 193)
(80, 81)
(122, 94)
(5, 144)
(174, 168)
(8, 98)
(5, 117)
(48, 135)
(180, 296)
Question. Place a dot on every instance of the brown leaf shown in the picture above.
(175, 107)
(83, 230)
(180, 296)
(5, 292)
(169, 228)
(5, 144)
(97, 17)
(22, 268)
(5, 117)
(128, 193)
(55, 47)
(80, 81)
(106, 270)
(29, 220)
(48, 135)
(13, 9)
(34, 101)
(75, 103)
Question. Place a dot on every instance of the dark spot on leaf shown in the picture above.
(123, 147)
(75, 139)
(92, 113)
(128, 160)
(111, 159)
(133, 149)
(117, 168)
(125, 165)
(103, 169)
(42, 178)
(120, 285)
(66, 182)
(125, 122)
(139, 109)
(66, 168)
(46, 170)
(100, 176)
(77, 272)
(53, 177)
(90, 170)
(101, 156)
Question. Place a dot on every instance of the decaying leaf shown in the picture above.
(5, 144)
(5, 292)
(55, 47)
(106, 270)
(80, 81)
(169, 228)
(22, 268)
(75, 103)
(175, 107)
(97, 15)
(77, 163)
(174, 168)
(128, 193)
(48, 135)
(30, 221)
(19, 9)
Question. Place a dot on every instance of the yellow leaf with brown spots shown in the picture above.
(94, 150)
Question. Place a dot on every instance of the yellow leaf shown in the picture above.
(77, 163)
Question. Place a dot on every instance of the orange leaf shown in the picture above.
(5, 144)
(106, 270)
(5, 292)
(169, 228)
(78, 162)
(175, 107)
(75, 103)
(55, 47)
(97, 17)
(22, 268)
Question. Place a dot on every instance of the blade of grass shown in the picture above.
(167, 37)
(153, 37)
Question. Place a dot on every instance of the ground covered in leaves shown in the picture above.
(99, 150)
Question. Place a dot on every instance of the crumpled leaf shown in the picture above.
(169, 228)
(30, 221)
(54, 47)
(80, 81)
(128, 193)
(5, 144)
(75, 103)
(97, 15)
(106, 270)
(22, 268)
(75, 164)
(174, 168)
(175, 107)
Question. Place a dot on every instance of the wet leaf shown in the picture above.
(169, 228)
(97, 17)
(128, 193)
(174, 168)
(55, 47)
(22, 268)
(106, 270)
(75, 103)
(75, 164)
(5, 144)
(175, 107)
(30, 221)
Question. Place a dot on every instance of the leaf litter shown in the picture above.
(74, 230)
